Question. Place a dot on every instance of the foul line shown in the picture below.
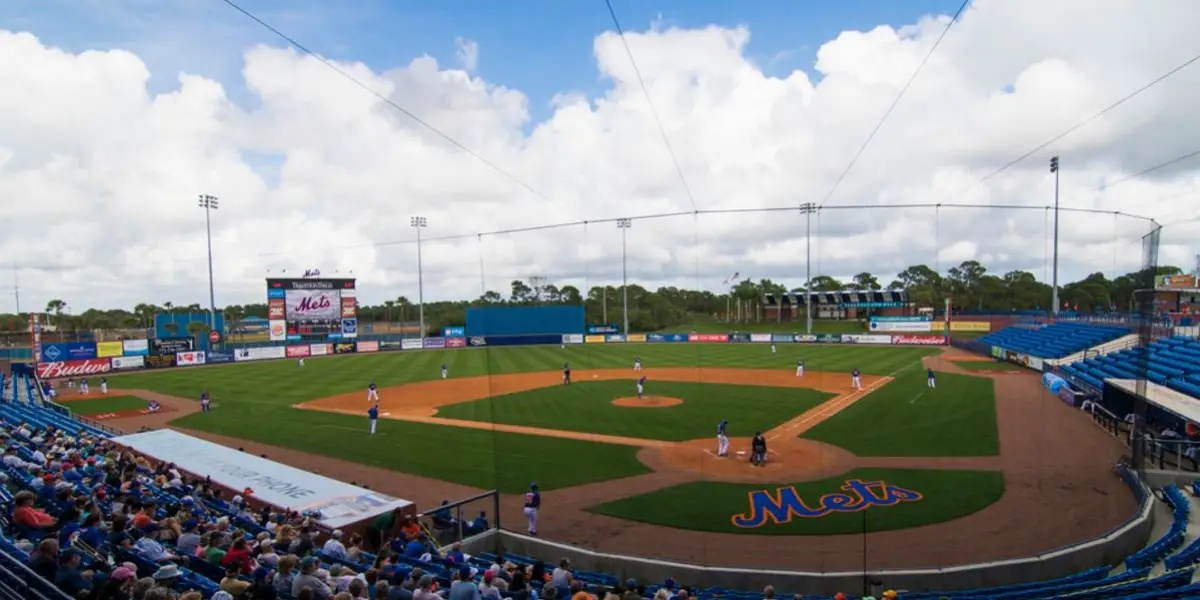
(815, 415)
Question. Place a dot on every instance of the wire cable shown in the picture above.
(389, 101)
(1079, 125)
(895, 101)
(653, 111)
(1147, 171)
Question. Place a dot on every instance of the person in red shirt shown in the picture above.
(239, 554)
(25, 515)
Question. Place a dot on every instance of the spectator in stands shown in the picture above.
(561, 577)
(44, 560)
(516, 586)
(189, 540)
(284, 577)
(487, 591)
(239, 555)
(769, 593)
(233, 583)
(380, 528)
(262, 588)
(303, 544)
(334, 547)
(462, 588)
(307, 579)
(632, 591)
(119, 585)
(150, 550)
(117, 535)
(92, 532)
(71, 579)
(577, 592)
(25, 515)
(167, 576)
(424, 589)
(267, 555)
(354, 548)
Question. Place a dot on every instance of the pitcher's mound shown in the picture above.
(647, 402)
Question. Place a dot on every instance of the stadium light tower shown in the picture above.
(808, 209)
(209, 204)
(1054, 269)
(623, 225)
(419, 223)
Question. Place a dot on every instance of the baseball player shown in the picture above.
(104, 384)
(772, 347)
(566, 373)
(722, 439)
(800, 368)
(932, 379)
(758, 450)
(637, 363)
(373, 416)
(533, 503)
(71, 382)
(855, 381)
(300, 361)
(372, 392)
(443, 370)
(641, 386)
(153, 406)
(204, 401)
(83, 386)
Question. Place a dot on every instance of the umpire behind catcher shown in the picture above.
(758, 450)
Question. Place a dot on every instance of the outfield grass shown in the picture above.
(710, 506)
(107, 404)
(586, 406)
(985, 365)
(906, 418)
(253, 401)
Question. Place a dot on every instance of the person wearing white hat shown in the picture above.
(334, 546)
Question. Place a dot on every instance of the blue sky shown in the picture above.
(541, 47)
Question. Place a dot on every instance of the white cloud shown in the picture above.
(467, 52)
(99, 176)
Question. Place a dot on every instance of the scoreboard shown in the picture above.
(311, 309)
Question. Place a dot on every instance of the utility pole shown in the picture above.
(209, 204)
(623, 225)
(419, 223)
(808, 209)
(1054, 276)
(16, 288)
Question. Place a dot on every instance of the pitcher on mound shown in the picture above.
(722, 439)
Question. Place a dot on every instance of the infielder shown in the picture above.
(83, 386)
(443, 370)
(204, 401)
(533, 502)
(372, 392)
(800, 368)
(637, 363)
(566, 373)
(373, 416)
(855, 382)
(722, 439)
(641, 386)
(71, 383)
(104, 385)
(932, 379)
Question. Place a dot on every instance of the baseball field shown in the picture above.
(897, 459)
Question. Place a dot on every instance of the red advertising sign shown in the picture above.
(349, 308)
(275, 309)
(456, 342)
(708, 337)
(73, 368)
(918, 340)
(368, 346)
(298, 351)
(214, 337)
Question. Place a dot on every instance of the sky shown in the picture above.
(531, 113)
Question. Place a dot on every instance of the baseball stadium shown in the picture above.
(730, 399)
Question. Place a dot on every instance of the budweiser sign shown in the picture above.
(73, 368)
(918, 340)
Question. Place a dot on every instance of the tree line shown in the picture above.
(969, 285)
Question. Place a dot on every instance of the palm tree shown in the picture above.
(56, 307)
(389, 304)
(172, 328)
(403, 302)
(196, 328)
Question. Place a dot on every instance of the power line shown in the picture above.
(1079, 125)
(653, 111)
(388, 101)
(1147, 171)
(895, 101)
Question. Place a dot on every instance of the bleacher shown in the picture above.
(1173, 362)
(1057, 340)
(1132, 580)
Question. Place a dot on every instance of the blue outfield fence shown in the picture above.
(525, 320)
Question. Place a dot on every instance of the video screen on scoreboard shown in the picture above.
(300, 309)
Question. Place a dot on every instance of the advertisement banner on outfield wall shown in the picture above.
(670, 338)
(411, 344)
(708, 337)
(277, 330)
(918, 340)
(477, 341)
(1025, 360)
(900, 326)
(368, 346)
(761, 337)
(828, 338)
(188, 359)
(998, 352)
(109, 349)
(298, 351)
(171, 345)
(782, 338)
(572, 338)
(264, 353)
(68, 351)
(456, 342)
(386, 345)
(595, 339)
(809, 339)
(739, 338)
(343, 348)
(866, 339)
(454, 332)
(614, 339)
(216, 358)
(160, 361)
(135, 347)
(916, 318)
(636, 338)
(970, 325)
(74, 368)
(436, 342)
(349, 328)
(320, 349)
(124, 363)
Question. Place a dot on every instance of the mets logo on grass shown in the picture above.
(784, 504)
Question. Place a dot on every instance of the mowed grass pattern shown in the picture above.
(907, 418)
(105, 404)
(587, 407)
(710, 506)
(253, 401)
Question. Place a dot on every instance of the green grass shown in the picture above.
(770, 327)
(248, 396)
(906, 418)
(985, 365)
(710, 506)
(104, 405)
(587, 407)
